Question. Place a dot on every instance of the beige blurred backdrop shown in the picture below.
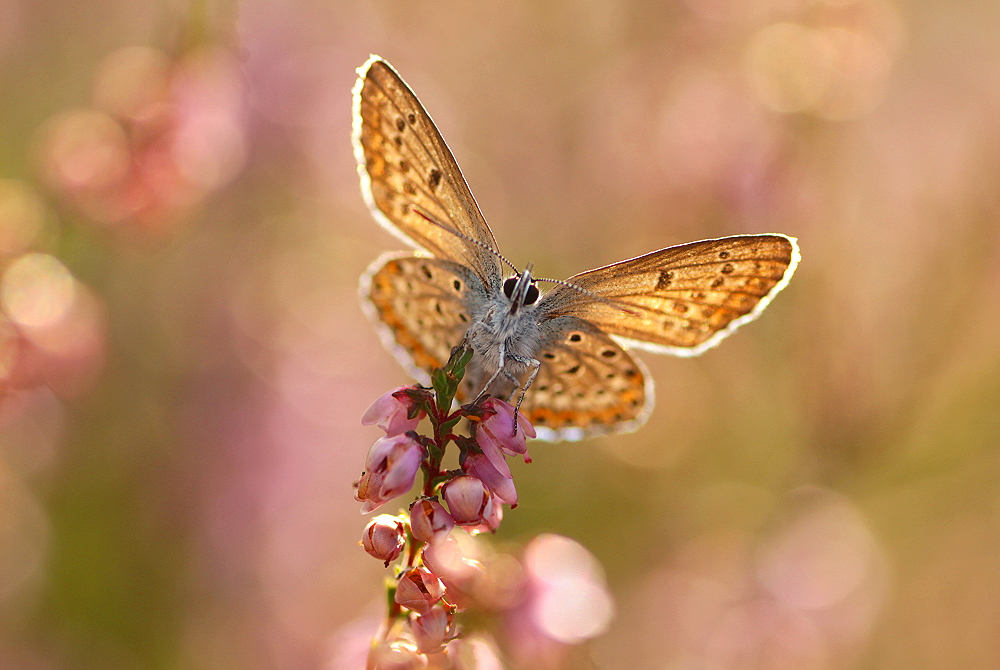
(184, 362)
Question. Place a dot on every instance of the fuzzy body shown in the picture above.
(504, 333)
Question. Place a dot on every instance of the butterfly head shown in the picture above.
(520, 290)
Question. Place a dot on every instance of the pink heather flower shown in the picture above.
(430, 521)
(391, 413)
(418, 590)
(502, 486)
(469, 501)
(496, 436)
(431, 630)
(391, 467)
(384, 537)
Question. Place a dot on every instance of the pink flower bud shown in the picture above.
(391, 413)
(418, 589)
(431, 630)
(496, 436)
(384, 537)
(430, 521)
(502, 486)
(392, 466)
(469, 501)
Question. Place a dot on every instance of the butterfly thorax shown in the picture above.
(507, 334)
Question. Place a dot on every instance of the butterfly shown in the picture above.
(566, 350)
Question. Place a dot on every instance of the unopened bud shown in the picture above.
(430, 631)
(390, 469)
(384, 537)
(430, 521)
(418, 589)
(391, 413)
(468, 500)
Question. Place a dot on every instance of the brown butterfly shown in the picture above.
(564, 349)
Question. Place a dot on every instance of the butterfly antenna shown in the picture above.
(470, 240)
(579, 289)
(591, 294)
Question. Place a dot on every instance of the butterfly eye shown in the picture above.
(508, 286)
(531, 296)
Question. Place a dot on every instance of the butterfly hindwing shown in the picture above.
(421, 305)
(587, 384)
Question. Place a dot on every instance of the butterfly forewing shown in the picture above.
(682, 299)
(410, 178)
(422, 304)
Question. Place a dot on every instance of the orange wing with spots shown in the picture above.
(685, 299)
(419, 306)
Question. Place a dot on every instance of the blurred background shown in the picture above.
(184, 362)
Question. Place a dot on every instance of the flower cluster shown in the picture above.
(52, 325)
(434, 577)
(163, 133)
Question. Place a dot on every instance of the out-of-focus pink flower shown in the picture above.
(165, 134)
(496, 434)
(391, 413)
(431, 630)
(461, 574)
(418, 590)
(567, 601)
(384, 537)
(445, 559)
(483, 653)
(390, 470)
(469, 501)
(52, 327)
(502, 486)
(396, 655)
(430, 521)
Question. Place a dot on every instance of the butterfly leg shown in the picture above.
(532, 363)
(500, 368)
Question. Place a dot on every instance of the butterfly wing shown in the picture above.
(587, 384)
(685, 299)
(408, 174)
(421, 307)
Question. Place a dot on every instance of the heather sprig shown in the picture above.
(430, 572)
